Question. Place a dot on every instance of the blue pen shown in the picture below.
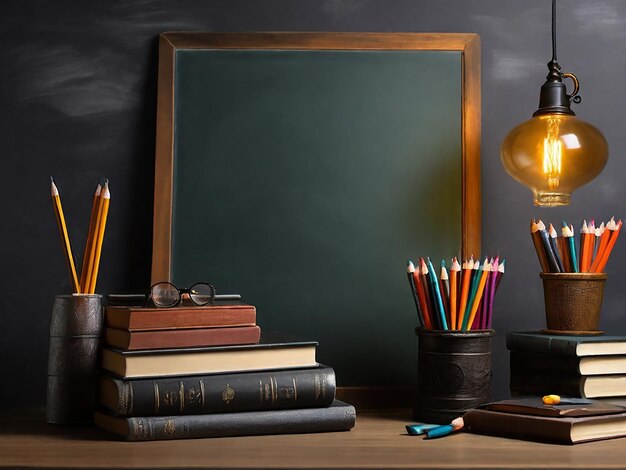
(442, 312)
(419, 429)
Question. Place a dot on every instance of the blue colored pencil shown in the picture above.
(568, 234)
(438, 299)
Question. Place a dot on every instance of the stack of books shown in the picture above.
(573, 366)
(191, 372)
(579, 420)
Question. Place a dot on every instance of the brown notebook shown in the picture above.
(140, 319)
(562, 427)
(181, 338)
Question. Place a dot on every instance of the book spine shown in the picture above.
(541, 345)
(222, 393)
(335, 418)
(515, 426)
(546, 363)
(534, 382)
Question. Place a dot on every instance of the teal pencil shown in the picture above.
(568, 234)
(438, 299)
(472, 294)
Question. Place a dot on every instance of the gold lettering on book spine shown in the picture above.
(274, 388)
(170, 428)
(182, 396)
(202, 393)
(228, 394)
(156, 397)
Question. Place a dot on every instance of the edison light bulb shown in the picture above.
(554, 154)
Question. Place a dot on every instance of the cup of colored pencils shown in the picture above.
(459, 300)
(574, 277)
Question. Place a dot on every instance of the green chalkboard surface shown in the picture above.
(304, 179)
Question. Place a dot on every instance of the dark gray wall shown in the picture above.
(77, 100)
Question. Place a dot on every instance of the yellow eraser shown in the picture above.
(551, 400)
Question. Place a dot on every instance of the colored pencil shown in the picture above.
(484, 272)
(421, 295)
(568, 235)
(102, 220)
(604, 241)
(500, 274)
(65, 238)
(467, 268)
(474, 281)
(438, 298)
(410, 273)
(550, 254)
(429, 289)
(493, 277)
(539, 247)
(90, 236)
(598, 237)
(614, 233)
(553, 236)
(455, 270)
(564, 251)
(444, 285)
(591, 240)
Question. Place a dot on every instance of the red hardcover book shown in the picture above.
(181, 338)
(142, 319)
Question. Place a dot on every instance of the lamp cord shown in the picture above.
(554, 31)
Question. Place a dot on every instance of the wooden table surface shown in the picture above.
(379, 440)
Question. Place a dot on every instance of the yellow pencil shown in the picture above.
(486, 268)
(467, 268)
(65, 238)
(91, 255)
(102, 221)
(90, 237)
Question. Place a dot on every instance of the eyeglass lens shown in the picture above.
(201, 293)
(165, 294)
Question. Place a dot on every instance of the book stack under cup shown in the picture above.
(573, 366)
(191, 372)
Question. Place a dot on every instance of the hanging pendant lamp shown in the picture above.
(554, 152)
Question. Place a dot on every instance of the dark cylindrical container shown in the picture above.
(75, 331)
(454, 373)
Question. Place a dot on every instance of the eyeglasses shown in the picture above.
(166, 294)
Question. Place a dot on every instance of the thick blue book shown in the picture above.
(579, 346)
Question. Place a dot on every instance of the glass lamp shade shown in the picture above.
(554, 154)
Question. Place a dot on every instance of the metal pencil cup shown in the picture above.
(454, 373)
(75, 330)
(573, 302)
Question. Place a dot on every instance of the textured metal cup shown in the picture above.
(573, 301)
(454, 373)
(75, 331)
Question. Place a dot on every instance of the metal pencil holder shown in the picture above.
(75, 331)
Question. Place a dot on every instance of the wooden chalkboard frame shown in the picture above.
(169, 43)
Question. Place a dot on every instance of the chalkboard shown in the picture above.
(303, 169)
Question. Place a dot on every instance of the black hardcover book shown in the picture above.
(580, 346)
(219, 393)
(338, 417)
(538, 382)
(569, 365)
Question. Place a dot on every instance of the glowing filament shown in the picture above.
(552, 155)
